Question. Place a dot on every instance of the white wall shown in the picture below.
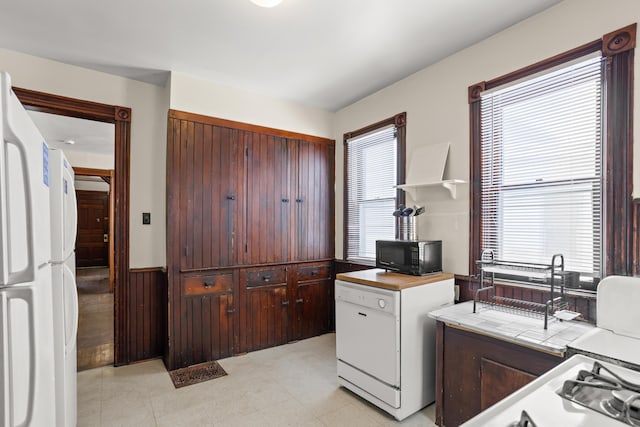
(149, 106)
(84, 159)
(210, 99)
(435, 100)
(92, 186)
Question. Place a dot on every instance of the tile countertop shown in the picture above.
(394, 281)
(514, 328)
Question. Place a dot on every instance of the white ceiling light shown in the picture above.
(267, 3)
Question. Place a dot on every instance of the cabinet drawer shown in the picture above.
(266, 276)
(314, 272)
(207, 284)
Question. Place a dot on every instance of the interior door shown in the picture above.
(92, 249)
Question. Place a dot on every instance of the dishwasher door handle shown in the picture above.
(362, 314)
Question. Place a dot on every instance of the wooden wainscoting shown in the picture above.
(147, 313)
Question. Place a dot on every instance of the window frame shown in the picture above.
(399, 121)
(619, 245)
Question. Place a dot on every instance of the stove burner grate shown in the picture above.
(525, 421)
(606, 392)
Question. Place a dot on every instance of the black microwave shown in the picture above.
(416, 257)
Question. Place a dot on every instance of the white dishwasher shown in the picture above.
(385, 342)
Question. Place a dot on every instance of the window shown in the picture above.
(374, 163)
(551, 161)
(542, 168)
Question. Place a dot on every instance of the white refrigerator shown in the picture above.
(64, 223)
(27, 353)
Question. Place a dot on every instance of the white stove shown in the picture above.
(599, 385)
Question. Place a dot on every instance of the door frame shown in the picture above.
(121, 118)
(107, 175)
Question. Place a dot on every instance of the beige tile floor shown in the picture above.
(289, 385)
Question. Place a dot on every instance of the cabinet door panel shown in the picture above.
(267, 318)
(499, 381)
(267, 200)
(207, 329)
(314, 201)
(208, 195)
(312, 308)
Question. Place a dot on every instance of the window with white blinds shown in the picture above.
(542, 173)
(371, 197)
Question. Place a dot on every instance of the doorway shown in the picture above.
(94, 267)
(121, 118)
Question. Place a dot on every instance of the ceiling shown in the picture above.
(320, 53)
(88, 136)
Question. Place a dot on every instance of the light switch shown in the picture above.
(146, 218)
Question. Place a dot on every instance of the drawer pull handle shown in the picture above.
(362, 314)
(266, 278)
(208, 284)
(299, 300)
(285, 302)
(231, 197)
(231, 311)
(314, 273)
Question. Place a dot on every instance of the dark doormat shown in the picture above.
(196, 374)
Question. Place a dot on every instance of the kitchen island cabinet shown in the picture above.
(250, 210)
(474, 371)
(485, 356)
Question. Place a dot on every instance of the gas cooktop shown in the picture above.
(606, 391)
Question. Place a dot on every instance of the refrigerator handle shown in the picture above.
(5, 342)
(27, 274)
(5, 399)
(75, 211)
(76, 308)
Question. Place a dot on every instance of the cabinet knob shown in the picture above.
(299, 300)
(285, 200)
(231, 197)
(285, 302)
(266, 278)
(299, 200)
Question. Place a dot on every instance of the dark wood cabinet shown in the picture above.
(475, 371)
(207, 192)
(206, 327)
(268, 206)
(313, 300)
(245, 206)
(313, 182)
(265, 314)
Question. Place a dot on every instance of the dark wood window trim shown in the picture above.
(121, 118)
(621, 244)
(400, 122)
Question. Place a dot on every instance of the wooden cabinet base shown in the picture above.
(474, 371)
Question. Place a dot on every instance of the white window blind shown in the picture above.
(542, 169)
(371, 197)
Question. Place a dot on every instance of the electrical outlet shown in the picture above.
(146, 218)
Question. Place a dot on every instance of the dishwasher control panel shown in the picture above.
(368, 296)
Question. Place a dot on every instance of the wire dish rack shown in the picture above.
(545, 273)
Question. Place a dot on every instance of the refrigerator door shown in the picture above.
(65, 326)
(64, 215)
(26, 356)
(25, 241)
